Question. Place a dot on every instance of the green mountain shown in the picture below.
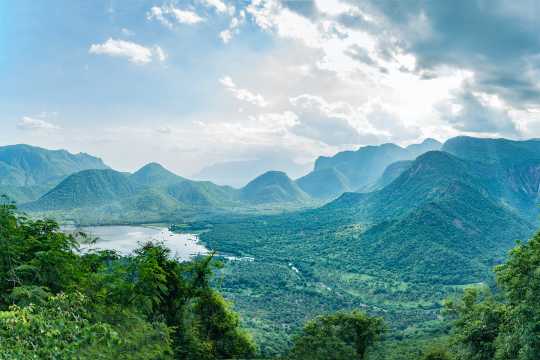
(391, 173)
(358, 170)
(86, 188)
(25, 165)
(27, 172)
(203, 193)
(324, 183)
(154, 174)
(497, 151)
(440, 225)
(153, 193)
(442, 219)
(272, 187)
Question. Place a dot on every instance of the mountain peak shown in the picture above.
(272, 187)
(155, 174)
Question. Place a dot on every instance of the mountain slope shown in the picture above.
(439, 226)
(86, 188)
(239, 173)
(272, 187)
(495, 151)
(324, 183)
(392, 172)
(154, 174)
(363, 167)
(24, 165)
(202, 193)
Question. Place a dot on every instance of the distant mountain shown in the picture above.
(358, 170)
(272, 187)
(203, 193)
(239, 173)
(392, 172)
(155, 174)
(152, 192)
(86, 188)
(440, 208)
(324, 183)
(27, 172)
(496, 151)
(25, 165)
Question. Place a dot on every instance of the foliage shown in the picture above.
(59, 328)
(57, 302)
(479, 318)
(506, 329)
(338, 336)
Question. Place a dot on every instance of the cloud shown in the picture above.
(389, 123)
(219, 5)
(168, 15)
(327, 122)
(160, 54)
(492, 39)
(479, 113)
(243, 94)
(135, 53)
(333, 7)
(271, 16)
(127, 32)
(29, 123)
(234, 27)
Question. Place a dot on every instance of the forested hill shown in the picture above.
(358, 170)
(439, 226)
(25, 165)
(27, 172)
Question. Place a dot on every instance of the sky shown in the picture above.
(195, 83)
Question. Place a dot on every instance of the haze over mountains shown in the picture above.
(43, 180)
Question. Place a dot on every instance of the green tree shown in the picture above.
(343, 335)
(437, 353)
(519, 279)
(478, 321)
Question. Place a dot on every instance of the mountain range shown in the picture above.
(27, 172)
(433, 226)
(56, 181)
(388, 228)
(63, 183)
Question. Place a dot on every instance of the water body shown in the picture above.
(125, 239)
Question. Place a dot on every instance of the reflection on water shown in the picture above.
(125, 239)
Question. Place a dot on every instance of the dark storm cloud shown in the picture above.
(498, 40)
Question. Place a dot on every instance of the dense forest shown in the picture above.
(59, 303)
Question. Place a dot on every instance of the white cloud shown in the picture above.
(160, 54)
(135, 53)
(234, 27)
(243, 94)
(271, 16)
(167, 15)
(333, 7)
(29, 123)
(333, 123)
(219, 5)
(127, 32)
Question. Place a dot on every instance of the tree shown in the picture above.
(144, 306)
(343, 335)
(436, 353)
(478, 321)
(519, 279)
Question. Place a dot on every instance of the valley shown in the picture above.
(389, 230)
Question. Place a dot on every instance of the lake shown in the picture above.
(125, 239)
